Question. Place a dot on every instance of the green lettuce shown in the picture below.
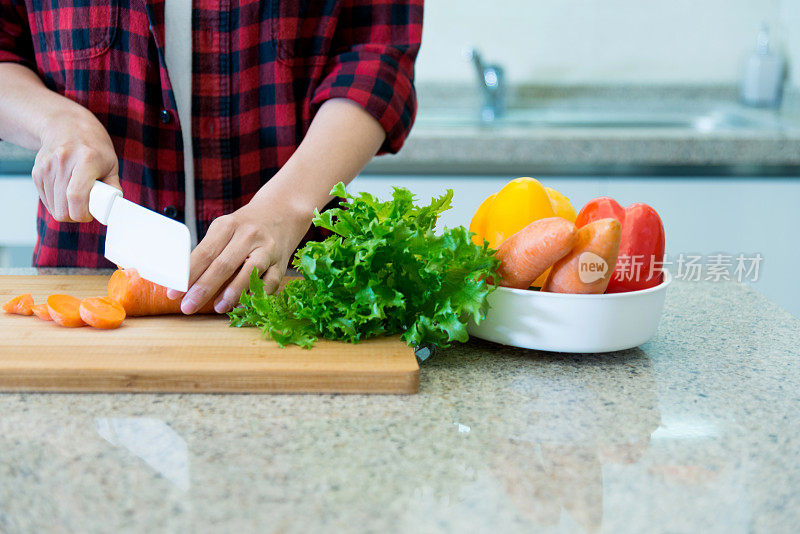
(383, 271)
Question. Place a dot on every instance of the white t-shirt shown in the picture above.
(178, 56)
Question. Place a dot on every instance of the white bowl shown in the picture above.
(572, 323)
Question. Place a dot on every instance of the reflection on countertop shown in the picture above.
(697, 430)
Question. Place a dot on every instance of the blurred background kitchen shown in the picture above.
(690, 106)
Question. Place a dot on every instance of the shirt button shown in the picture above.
(208, 126)
(171, 212)
(165, 116)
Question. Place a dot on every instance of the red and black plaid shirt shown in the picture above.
(261, 69)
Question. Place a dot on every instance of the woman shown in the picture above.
(240, 129)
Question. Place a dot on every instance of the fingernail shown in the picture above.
(172, 294)
(221, 306)
(188, 306)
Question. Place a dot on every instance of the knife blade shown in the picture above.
(156, 246)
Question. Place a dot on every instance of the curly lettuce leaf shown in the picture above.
(384, 271)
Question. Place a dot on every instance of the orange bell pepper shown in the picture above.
(516, 205)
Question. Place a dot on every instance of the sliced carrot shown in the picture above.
(64, 310)
(101, 312)
(590, 265)
(20, 305)
(139, 297)
(40, 311)
(527, 254)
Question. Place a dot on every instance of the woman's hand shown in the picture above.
(75, 151)
(73, 148)
(262, 234)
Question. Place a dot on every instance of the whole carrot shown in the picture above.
(590, 264)
(527, 254)
(139, 297)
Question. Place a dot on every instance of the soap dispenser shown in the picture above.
(764, 74)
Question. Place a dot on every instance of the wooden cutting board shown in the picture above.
(182, 353)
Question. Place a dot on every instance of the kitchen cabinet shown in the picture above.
(703, 216)
(18, 200)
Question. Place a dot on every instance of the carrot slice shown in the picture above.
(101, 312)
(64, 310)
(40, 311)
(142, 297)
(588, 267)
(20, 305)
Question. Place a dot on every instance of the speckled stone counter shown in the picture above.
(695, 431)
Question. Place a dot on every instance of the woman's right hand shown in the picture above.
(75, 151)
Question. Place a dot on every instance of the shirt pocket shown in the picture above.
(76, 29)
(302, 30)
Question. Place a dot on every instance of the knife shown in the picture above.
(156, 246)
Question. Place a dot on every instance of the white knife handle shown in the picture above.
(101, 198)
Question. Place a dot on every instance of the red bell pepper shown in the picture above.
(641, 250)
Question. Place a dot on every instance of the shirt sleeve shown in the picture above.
(16, 44)
(375, 45)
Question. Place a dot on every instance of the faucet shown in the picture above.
(492, 85)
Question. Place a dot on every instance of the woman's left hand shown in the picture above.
(265, 232)
(259, 235)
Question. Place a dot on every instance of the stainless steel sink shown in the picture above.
(703, 120)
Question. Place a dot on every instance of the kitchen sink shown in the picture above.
(703, 120)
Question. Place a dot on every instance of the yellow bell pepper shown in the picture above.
(516, 205)
(561, 204)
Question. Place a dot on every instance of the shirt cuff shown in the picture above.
(380, 81)
(11, 57)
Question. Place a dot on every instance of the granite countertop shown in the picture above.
(696, 431)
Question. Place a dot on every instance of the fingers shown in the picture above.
(41, 169)
(173, 294)
(220, 266)
(219, 234)
(273, 278)
(258, 259)
(212, 262)
(60, 204)
(50, 175)
(64, 177)
(79, 185)
(60, 173)
(113, 181)
(217, 238)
